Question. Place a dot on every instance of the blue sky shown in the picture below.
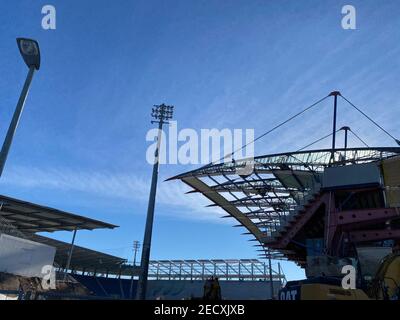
(80, 145)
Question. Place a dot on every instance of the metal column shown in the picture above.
(346, 129)
(144, 265)
(70, 255)
(15, 119)
(335, 94)
(271, 280)
(135, 249)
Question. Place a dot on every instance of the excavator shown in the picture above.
(385, 285)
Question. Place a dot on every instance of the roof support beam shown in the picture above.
(70, 255)
(358, 216)
(373, 235)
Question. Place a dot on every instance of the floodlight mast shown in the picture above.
(29, 50)
(161, 113)
(136, 247)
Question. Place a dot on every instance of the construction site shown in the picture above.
(81, 273)
(333, 212)
(322, 209)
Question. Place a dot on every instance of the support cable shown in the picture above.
(316, 141)
(271, 130)
(373, 121)
(330, 134)
(362, 141)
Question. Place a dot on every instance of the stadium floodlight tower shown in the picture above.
(30, 52)
(161, 113)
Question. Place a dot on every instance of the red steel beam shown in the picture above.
(374, 235)
(345, 220)
(365, 215)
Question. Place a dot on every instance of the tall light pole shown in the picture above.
(30, 52)
(136, 246)
(161, 113)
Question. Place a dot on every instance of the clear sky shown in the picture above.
(81, 146)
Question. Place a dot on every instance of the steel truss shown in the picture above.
(229, 269)
(262, 199)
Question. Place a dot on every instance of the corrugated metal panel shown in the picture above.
(32, 218)
(391, 176)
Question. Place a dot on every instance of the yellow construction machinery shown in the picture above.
(384, 286)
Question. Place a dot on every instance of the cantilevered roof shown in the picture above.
(84, 259)
(261, 198)
(31, 218)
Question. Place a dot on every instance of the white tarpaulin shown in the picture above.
(24, 257)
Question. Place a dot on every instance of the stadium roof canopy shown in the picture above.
(84, 259)
(31, 218)
(260, 192)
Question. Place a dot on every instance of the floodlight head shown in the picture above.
(30, 52)
(162, 112)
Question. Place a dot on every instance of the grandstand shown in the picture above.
(118, 288)
(184, 279)
(271, 201)
(23, 252)
(83, 273)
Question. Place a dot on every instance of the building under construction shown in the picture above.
(322, 209)
(292, 202)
